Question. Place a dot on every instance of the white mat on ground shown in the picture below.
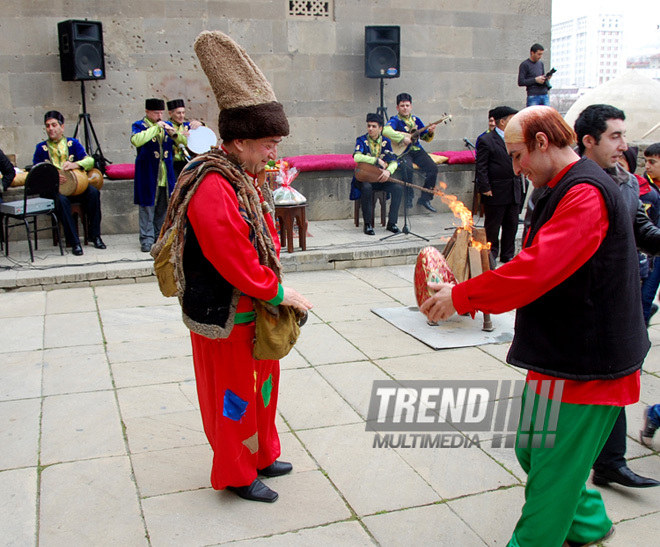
(457, 332)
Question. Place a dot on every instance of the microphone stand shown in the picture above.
(405, 230)
(476, 197)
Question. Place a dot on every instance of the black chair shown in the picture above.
(43, 180)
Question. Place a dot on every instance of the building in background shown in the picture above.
(587, 51)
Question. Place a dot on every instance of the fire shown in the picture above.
(461, 212)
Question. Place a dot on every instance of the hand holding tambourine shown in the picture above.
(431, 268)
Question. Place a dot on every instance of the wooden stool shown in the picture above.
(381, 197)
(286, 214)
(78, 214)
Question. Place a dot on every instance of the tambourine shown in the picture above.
(201, 140)
(431, 267)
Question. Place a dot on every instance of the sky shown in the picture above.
(641, 20)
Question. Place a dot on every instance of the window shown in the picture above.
(310, 9)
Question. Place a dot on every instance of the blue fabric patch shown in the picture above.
(233, 406)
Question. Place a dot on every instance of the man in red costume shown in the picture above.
(228, 258)
(579, 329)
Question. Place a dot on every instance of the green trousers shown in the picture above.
(558, 506)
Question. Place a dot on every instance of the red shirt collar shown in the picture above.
(561, 174)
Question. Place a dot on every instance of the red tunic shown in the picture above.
(561, 246)
(237, 393)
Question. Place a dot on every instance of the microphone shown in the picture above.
(468, 143)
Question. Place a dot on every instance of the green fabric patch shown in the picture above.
(266, 390)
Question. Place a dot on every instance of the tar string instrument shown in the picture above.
(400, 148)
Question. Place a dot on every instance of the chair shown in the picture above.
(378, 197)
(78, 214)
(286, 215)
(42, 180)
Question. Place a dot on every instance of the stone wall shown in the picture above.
(459, 57)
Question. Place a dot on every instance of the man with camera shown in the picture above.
(532, 75)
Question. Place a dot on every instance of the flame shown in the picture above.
(462, 213)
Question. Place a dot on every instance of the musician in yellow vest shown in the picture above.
(398, 130)
(177, 113)
(374, 149)
(68, 154)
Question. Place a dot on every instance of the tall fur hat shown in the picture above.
(248, 107)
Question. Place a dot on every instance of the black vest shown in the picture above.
(590, 326)
(208, 298)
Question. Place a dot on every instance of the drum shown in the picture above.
(75, 184)
(19, 179)
(95, 178)
(432, 267)
(201, 140)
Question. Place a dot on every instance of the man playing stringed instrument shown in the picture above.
(375, 149)
(66, 155)
(405, 129)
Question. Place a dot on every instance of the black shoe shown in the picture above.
(623, 476)
(369, 230)
(276, 469)
(409, 204)
(98, 243)
(427, 205)
(145, 247)
(77, 250)
(609, 534)
(392, 227)
(646, 434)
(257, 491)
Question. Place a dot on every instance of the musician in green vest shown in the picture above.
(398, 130)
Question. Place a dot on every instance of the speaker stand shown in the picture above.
(85, 120)
(381, 110)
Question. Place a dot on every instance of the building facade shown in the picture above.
(457, 57)
(587, 51)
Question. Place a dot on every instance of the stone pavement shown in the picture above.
(102, 442)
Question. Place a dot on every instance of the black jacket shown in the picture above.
(495, 171)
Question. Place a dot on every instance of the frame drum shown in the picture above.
(201, 140)
(75, 184)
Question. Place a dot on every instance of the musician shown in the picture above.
(66, 155)
(176, 110)
(154, 180)
(398, 130)
(500, 188)
(8, 172)
(374, 149)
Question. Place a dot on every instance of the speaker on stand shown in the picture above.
(382, 57)
(82, 59)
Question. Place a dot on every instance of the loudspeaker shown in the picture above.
(81, 50)
(381, 52)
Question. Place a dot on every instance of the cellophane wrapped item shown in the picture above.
(285, 194)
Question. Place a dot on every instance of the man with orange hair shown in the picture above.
(579, 328)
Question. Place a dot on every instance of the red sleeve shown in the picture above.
(562, 245)
(223, 236)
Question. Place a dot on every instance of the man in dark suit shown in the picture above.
(500, 188)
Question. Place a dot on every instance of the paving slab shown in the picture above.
(430, 525)
(19, 433)
(80, 426)
(207, 517)
(92, 502)
(18, 507)
(370, 480)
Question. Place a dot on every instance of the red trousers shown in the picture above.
(238, 400)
